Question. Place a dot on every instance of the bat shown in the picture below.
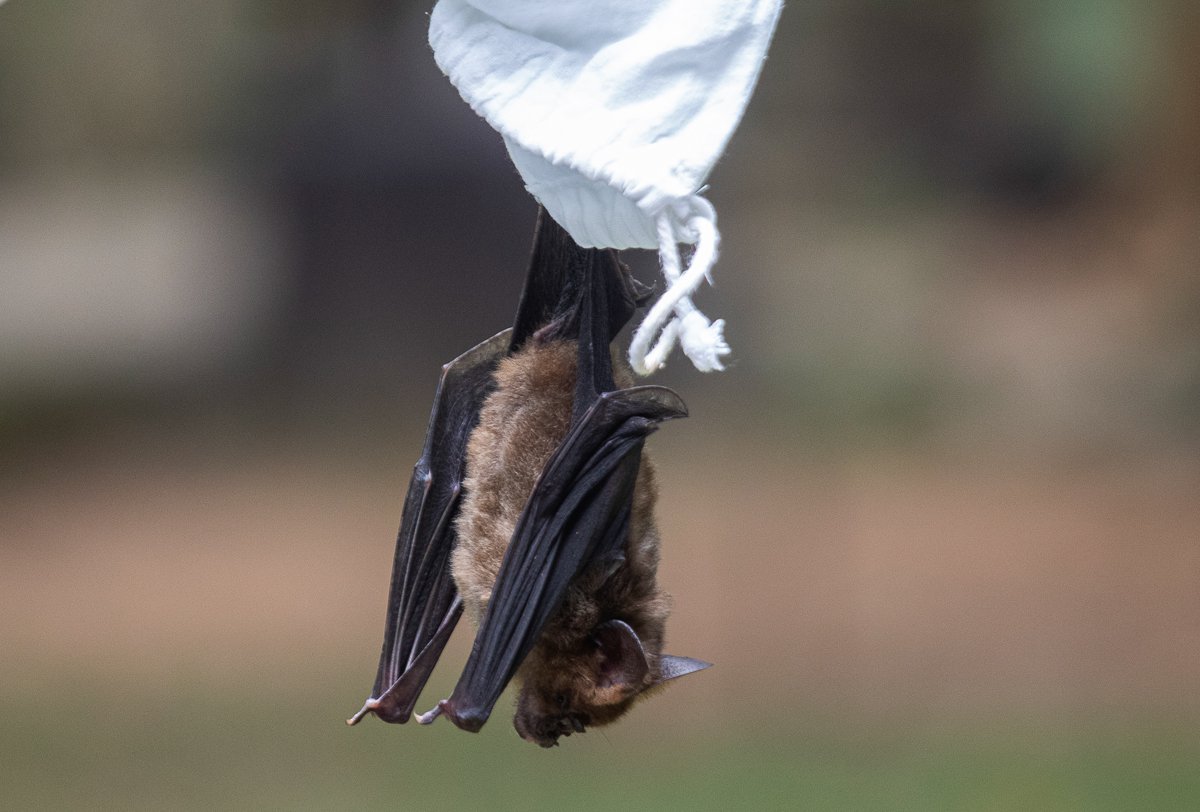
(531, 509)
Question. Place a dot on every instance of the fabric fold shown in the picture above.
(614, 113)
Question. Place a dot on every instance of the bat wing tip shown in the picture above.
(470, 719)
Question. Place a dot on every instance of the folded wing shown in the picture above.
(423, 603)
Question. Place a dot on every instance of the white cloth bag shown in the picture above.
(614, 112)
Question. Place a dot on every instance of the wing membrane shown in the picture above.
(423, 603)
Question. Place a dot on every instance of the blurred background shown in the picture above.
(937, 526)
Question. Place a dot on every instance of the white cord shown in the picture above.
(692, 220)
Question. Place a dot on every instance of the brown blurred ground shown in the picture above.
(883, 582)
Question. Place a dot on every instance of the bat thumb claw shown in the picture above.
(368, 707)
(428, 716)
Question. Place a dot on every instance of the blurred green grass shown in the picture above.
(75, 746)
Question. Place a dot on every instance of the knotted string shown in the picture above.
(692, 220)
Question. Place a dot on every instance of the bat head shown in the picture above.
(568, 694)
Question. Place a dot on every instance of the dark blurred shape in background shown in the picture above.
(955, 461)
(289, 201)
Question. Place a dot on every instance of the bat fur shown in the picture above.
(569, 680)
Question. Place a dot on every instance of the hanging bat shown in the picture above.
(532, 508)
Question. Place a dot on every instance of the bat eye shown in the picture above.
(562, 701)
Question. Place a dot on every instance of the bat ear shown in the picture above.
(622, 664)
(671, 667)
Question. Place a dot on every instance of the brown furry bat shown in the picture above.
(577, 674)
(534, 493)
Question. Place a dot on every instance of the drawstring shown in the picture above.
(692, 220)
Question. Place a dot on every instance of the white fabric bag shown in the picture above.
(614, 112)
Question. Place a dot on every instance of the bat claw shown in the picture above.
(369, 706)
(428, 716)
